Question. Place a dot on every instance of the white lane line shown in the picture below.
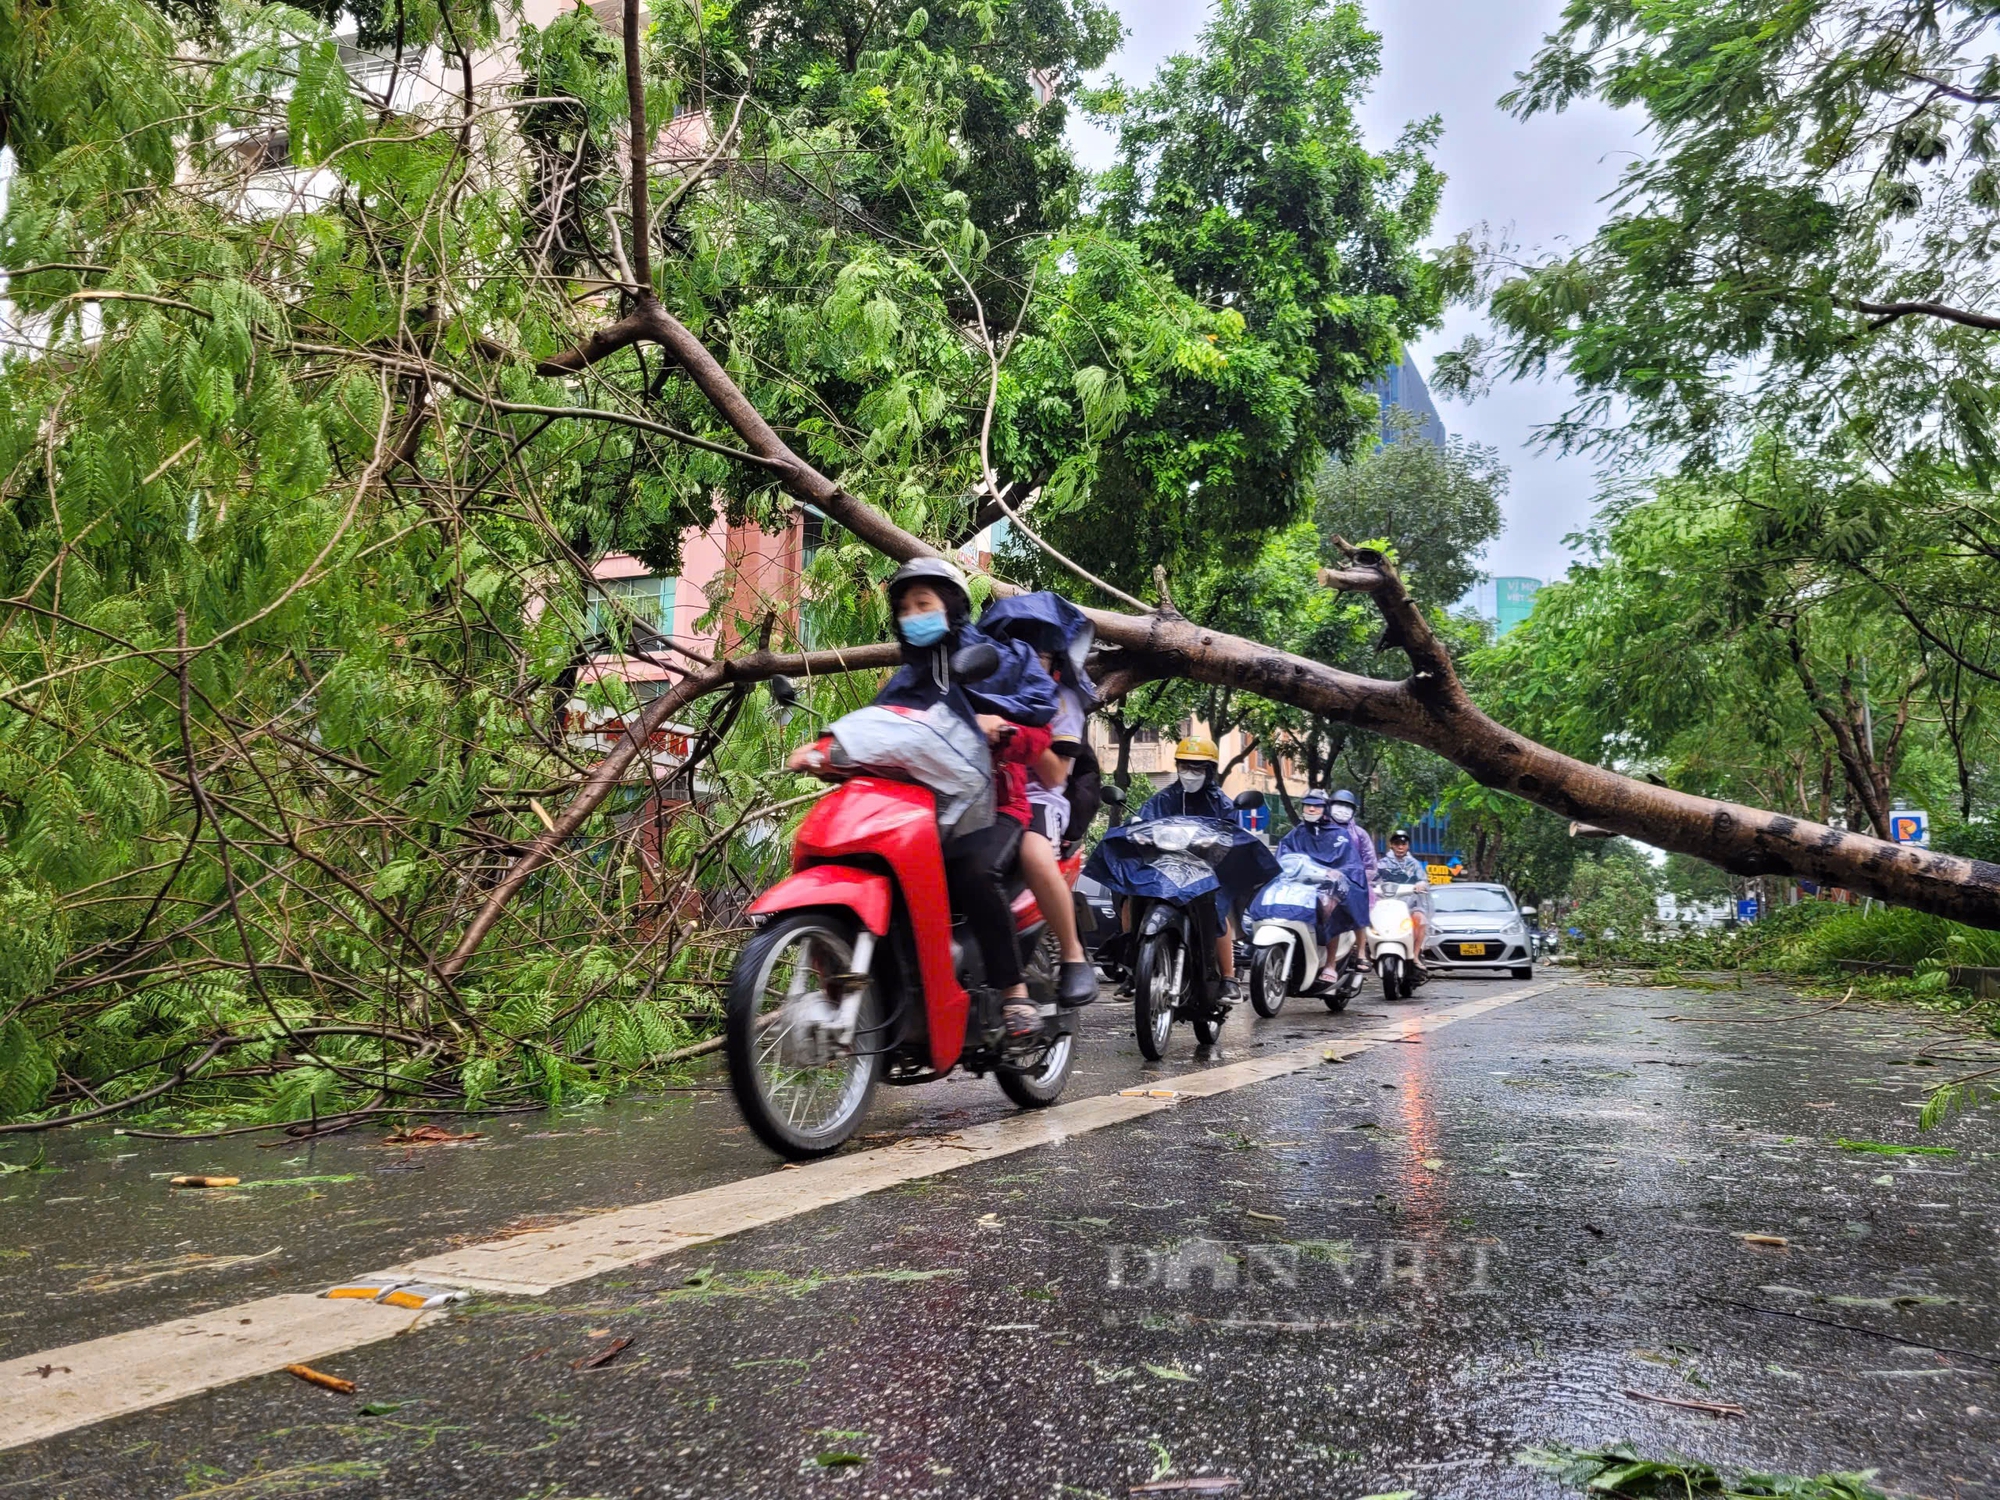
(72, 1387)
(61, 1389)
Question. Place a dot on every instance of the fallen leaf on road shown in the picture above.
(1168, 1372)
(1713, 1408)
(989, 1221)
(1888, 1148)
(1393, 1495)
(203, 1182)
(1200, 1484)
(603, 1356)
(428, 1135)
(1775, 1241)
(382, 1408)
(321, 1379)
(45, 1371)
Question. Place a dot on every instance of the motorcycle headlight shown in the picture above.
(1168, 836)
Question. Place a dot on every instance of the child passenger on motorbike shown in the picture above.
(1060, 637)
(932, 609)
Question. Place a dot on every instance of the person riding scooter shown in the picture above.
(1399, 866)
(1327, 833)
(1195, 793)
(932, 609)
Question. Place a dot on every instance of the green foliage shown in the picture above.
(1620, 1470)
(296, 595)
(1243, 179)
(1436, 507)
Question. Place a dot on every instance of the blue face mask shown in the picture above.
(925, 629)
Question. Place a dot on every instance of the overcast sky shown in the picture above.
(1454, 58)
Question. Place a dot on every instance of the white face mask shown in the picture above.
(1342, 814)
(1310, 814)
(1191, 781)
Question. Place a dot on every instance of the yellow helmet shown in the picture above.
(1194, 749)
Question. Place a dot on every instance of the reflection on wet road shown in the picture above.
(1392, 1273)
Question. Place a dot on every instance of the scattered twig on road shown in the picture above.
(1876, 1333)
(603, 1356)
(321, 1379)
(1759, 1020)
(1713, 1408)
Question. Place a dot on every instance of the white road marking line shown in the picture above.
(127, 1372)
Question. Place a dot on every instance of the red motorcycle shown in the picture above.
(859, 974)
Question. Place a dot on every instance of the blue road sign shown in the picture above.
(1254, 819)
(1746, 909)
(1909, 826)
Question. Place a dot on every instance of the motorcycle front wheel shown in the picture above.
(1040, 1086)
(1391, 965)
(801, 1099)
(1271, 980)
(1154, 993)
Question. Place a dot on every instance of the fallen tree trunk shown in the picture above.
(1430, 707)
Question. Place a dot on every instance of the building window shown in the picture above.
(647, 602)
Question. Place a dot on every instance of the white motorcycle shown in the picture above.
(1287, 958)
(1396, 922)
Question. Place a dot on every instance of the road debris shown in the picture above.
(429, 1135)
(603, 1356)
(1713, 1408)
(321, 1379)
(1890, 1148)
(203, 1182)
(1773, 1241)
(1199, 1484)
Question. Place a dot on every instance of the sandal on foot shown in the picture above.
(1022, 1018)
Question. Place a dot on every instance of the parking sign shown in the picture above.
(1908, 826)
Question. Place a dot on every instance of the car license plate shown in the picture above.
(1472, 950)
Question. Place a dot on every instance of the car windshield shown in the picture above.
(1470, 898)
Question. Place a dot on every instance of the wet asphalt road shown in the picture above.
(1389, 1274)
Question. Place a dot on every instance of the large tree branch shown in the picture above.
(1890, 311)
(604, 777)
(641, 151)
(1430, 708)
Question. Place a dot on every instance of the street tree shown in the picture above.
(323, 404)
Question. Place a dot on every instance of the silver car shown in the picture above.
(1475, 925)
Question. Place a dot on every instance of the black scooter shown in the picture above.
(1172, 869)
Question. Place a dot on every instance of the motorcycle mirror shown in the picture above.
(1248, 800)
(1112, 796)
(1527, 911)
(975, 663)
(784, 698)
